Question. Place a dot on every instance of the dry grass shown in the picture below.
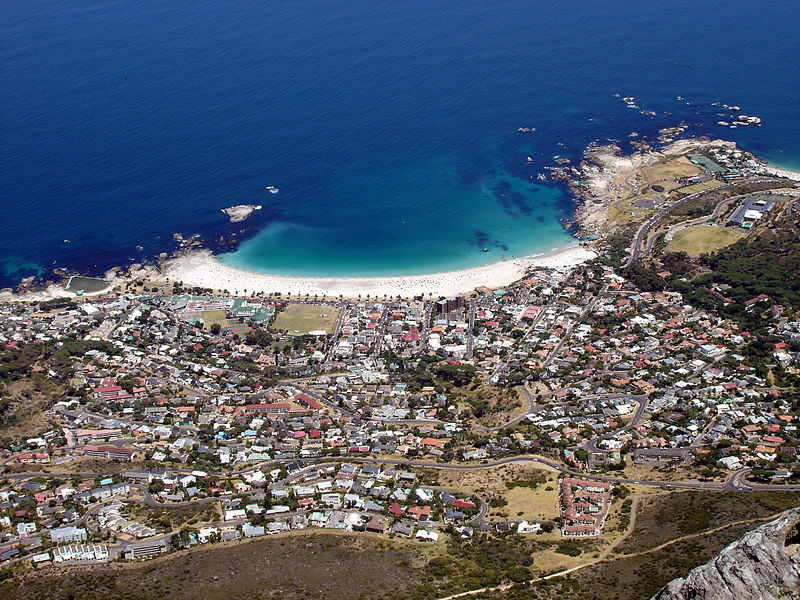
(501, 408)
(535, 504)
(667, 474)
(549, 561)
(26, 418)
(627, 213)
(214, 317)
(700, 187)
(316, 565)
(671, 169)
(665, 517)
(490, 482)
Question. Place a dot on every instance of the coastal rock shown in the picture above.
(764, 564)
(240, 212)
(600, 180)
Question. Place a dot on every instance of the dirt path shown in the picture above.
(701, 533)
(610, 549)
(602, 557)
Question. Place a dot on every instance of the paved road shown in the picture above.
(381, 331)
(642, 402)
(335, 336)
(470, 331)
(636, 247)
(572, 327)
(539, 317)
(734, 482)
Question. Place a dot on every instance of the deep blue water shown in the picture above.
(389, 127)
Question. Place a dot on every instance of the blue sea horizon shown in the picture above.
(390, 129)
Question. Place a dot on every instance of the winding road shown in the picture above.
(636, 247)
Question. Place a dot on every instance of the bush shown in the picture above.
(569, 548)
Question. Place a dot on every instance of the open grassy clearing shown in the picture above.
(668, 186)
(670, 169)
(215, 317)
(700, 187)
(23, 409)
(501, 407)
(539, 503)
(169, 518)
(491, 482)
(666, 473)
(299, 319)
(84, 464)
(703, 239)
(624, 215)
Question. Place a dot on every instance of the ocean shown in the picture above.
(390, 128)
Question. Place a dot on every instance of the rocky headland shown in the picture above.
(605, 176)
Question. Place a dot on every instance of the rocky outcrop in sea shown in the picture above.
(240, 212)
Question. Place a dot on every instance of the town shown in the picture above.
(298, 428)
(150, 418)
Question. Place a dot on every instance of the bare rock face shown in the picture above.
(240, 212)
(763, 565)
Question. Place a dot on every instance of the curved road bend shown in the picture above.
(636, 247)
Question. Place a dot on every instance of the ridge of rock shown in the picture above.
(764, 564)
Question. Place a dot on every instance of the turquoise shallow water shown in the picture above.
(390, 128)
(407, 220)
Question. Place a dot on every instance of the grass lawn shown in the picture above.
(672, 169)
(700, 187)
(210, 317)
(299, 319)
(702, 238)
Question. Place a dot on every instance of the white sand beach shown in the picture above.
(780, 172)
(200, 268)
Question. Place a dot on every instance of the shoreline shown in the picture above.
(199, 268)
(597, 182)
(782, 172)
(601, 180)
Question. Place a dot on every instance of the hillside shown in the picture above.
(764, 564)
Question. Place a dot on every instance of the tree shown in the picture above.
(458, 375)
